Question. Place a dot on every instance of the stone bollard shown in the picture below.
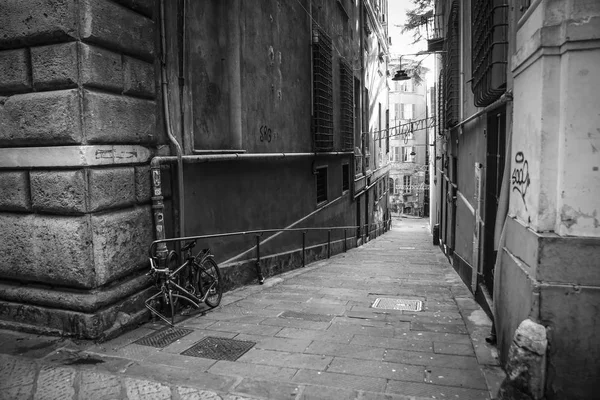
(526, 365)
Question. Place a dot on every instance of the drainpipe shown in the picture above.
(361, 23)
(155, 167)
(234, 74)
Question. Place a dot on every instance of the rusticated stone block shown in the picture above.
(111, 187)
(14, 71)
(37, 21)
(58, 191)
(54, 66)
(101, 68)
(36, 119)
(14, 195)
(46, 248)
(145, 7)
(117, 27)
(143, 190)
(121, 240)
(106, 122)
(138, 77)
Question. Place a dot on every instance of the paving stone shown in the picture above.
(393, 343)
(337, 337)
(199, 364)
(345, 350)
(312, 392)
(343, 381)
(455, 377)
(230, 368)
(146, 390)
(434, 336)
(55, 383)
(435, 391)
(430, 359)
(377, 369)
(180, 345)
(133, 351)
(285, 359)
(295, 323)
(268, 389)
(453, 348)
(447, 328)
(97, 386)
(245, 328)
(361, 330)
(277, 343)
(16, 372)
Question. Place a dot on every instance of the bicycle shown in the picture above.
(196, 281)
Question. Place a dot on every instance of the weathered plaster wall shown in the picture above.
(552, 233)
(75, 216)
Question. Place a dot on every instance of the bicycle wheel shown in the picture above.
(207, 277)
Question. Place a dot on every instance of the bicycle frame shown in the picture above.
(171, 290)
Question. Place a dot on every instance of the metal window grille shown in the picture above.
(451, 64)
(322, 91)
(489, 50)
(321, 185)
(346, 106)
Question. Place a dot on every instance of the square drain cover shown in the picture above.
(306, 316)
(217, 348)
(398, 304)
(164, 337)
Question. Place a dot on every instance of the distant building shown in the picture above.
(408, 146)
(274, 105)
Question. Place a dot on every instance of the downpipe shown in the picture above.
(157, 197)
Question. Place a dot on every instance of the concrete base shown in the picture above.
(555, 281)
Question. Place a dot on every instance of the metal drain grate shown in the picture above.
(398, 304)
(164, 337)
(306, 316)
(217, 348)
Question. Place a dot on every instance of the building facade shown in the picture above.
(516, 181)
(126, 121)
(408, 145)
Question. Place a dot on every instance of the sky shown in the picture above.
(402, 42)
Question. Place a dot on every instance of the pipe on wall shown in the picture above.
(206, 158)
(234, 72)
(168, 127)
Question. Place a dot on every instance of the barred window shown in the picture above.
(322, 91)
(346, 106)
(489, 50)
(450, 61)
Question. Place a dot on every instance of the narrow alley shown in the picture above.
(312, 333)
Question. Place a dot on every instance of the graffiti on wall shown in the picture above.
(266, 134)
(520, 176)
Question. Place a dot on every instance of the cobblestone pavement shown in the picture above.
(313, 334)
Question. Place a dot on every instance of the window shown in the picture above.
(408, 86)
(345, 177)
(406, 183)
(387, 131)
(379, 126)
(322, 91)
(397, 111)
(450, 62)
(396, 154)
(406, 154)
(346, 106)
(408, 111)
(321, 185)
(397, 186)
(489, 49)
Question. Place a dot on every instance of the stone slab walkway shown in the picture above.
(316, 336)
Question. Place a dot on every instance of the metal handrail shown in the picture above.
(260, 232)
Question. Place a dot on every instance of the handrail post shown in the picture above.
(261, 278)
(329, 243)
(345, 244)
(303, 248)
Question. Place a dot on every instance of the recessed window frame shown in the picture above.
(321, 185)
(345, 177)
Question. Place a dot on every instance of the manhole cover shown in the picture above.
(217, 348)
(398, 304)
(164, 337)
(306, 316)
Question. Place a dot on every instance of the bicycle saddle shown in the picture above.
(188, 245)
